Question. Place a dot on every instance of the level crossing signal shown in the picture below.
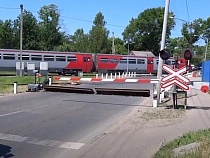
(165, 54)
(187, 54)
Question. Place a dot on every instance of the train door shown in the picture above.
(149, 65)
(87, 63)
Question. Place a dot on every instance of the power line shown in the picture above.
(78, 19)
(73, 18)
(187, 11)
(8, 8)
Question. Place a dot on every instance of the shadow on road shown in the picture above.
(95, 102)
(198, 107)
(5, 151)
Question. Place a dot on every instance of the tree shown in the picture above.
(79, 41)
(146, 30)
(99, 36)
(50, 37)
(119, 46)
(30, 31)
(7, 34)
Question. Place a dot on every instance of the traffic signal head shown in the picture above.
(187, 54)
(165, 54)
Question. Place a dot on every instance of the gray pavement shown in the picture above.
(144, 141)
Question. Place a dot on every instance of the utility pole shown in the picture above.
(207, 42)
(21, 37)
(160, 63)
(113, 47)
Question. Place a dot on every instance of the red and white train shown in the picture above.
(75, 62)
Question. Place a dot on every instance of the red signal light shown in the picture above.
(187, 54)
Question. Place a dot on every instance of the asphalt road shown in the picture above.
(57, 125)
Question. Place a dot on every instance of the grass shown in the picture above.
(162, 114)
(6, 83)
(202, 136)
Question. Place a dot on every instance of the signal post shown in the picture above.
(175, 76)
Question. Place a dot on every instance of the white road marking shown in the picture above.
(26, 110)
(11, 113)
(37, 141)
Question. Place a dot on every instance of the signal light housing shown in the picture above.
(187, 54)
(165, 54)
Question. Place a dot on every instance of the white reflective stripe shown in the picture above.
(85, 79)
(131, 80)
(155, 81)
(64, 79)
(107, 79)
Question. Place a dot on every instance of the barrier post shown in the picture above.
(102, 75)
(106, 75)
(115, 75)
(134, 74)
(119, 74)
(154, 102)
(50, 81)
(162, 93)
(111, 75)
(96, 75)
(15, 88)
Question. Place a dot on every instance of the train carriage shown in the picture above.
(59, 62)
(75, 62)
(123, 63)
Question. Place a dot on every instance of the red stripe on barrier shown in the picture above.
(119, 80)
(144, 80)
(96, 79)
(57, 78)
(75, 79)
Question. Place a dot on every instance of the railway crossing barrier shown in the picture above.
(153, 81)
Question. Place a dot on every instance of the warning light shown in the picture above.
(187, 55)
(165, 54)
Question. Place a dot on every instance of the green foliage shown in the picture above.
(80, 41)
(98, 35)
(191, 137)
(49, 36)
(146, 29)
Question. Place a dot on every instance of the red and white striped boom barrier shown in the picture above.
(107, 80)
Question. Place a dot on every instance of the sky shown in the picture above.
(77, 14)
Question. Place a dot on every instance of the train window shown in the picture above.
(86, 59)
(112, 60)
(71, 59)
(36, 57)
(104, 60)
(60, 58)
(9, 56)
(48, 58)
(132, 61)
(140, 61)
(123, 60)
(24, 57)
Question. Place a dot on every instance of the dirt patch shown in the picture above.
(147, 117)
